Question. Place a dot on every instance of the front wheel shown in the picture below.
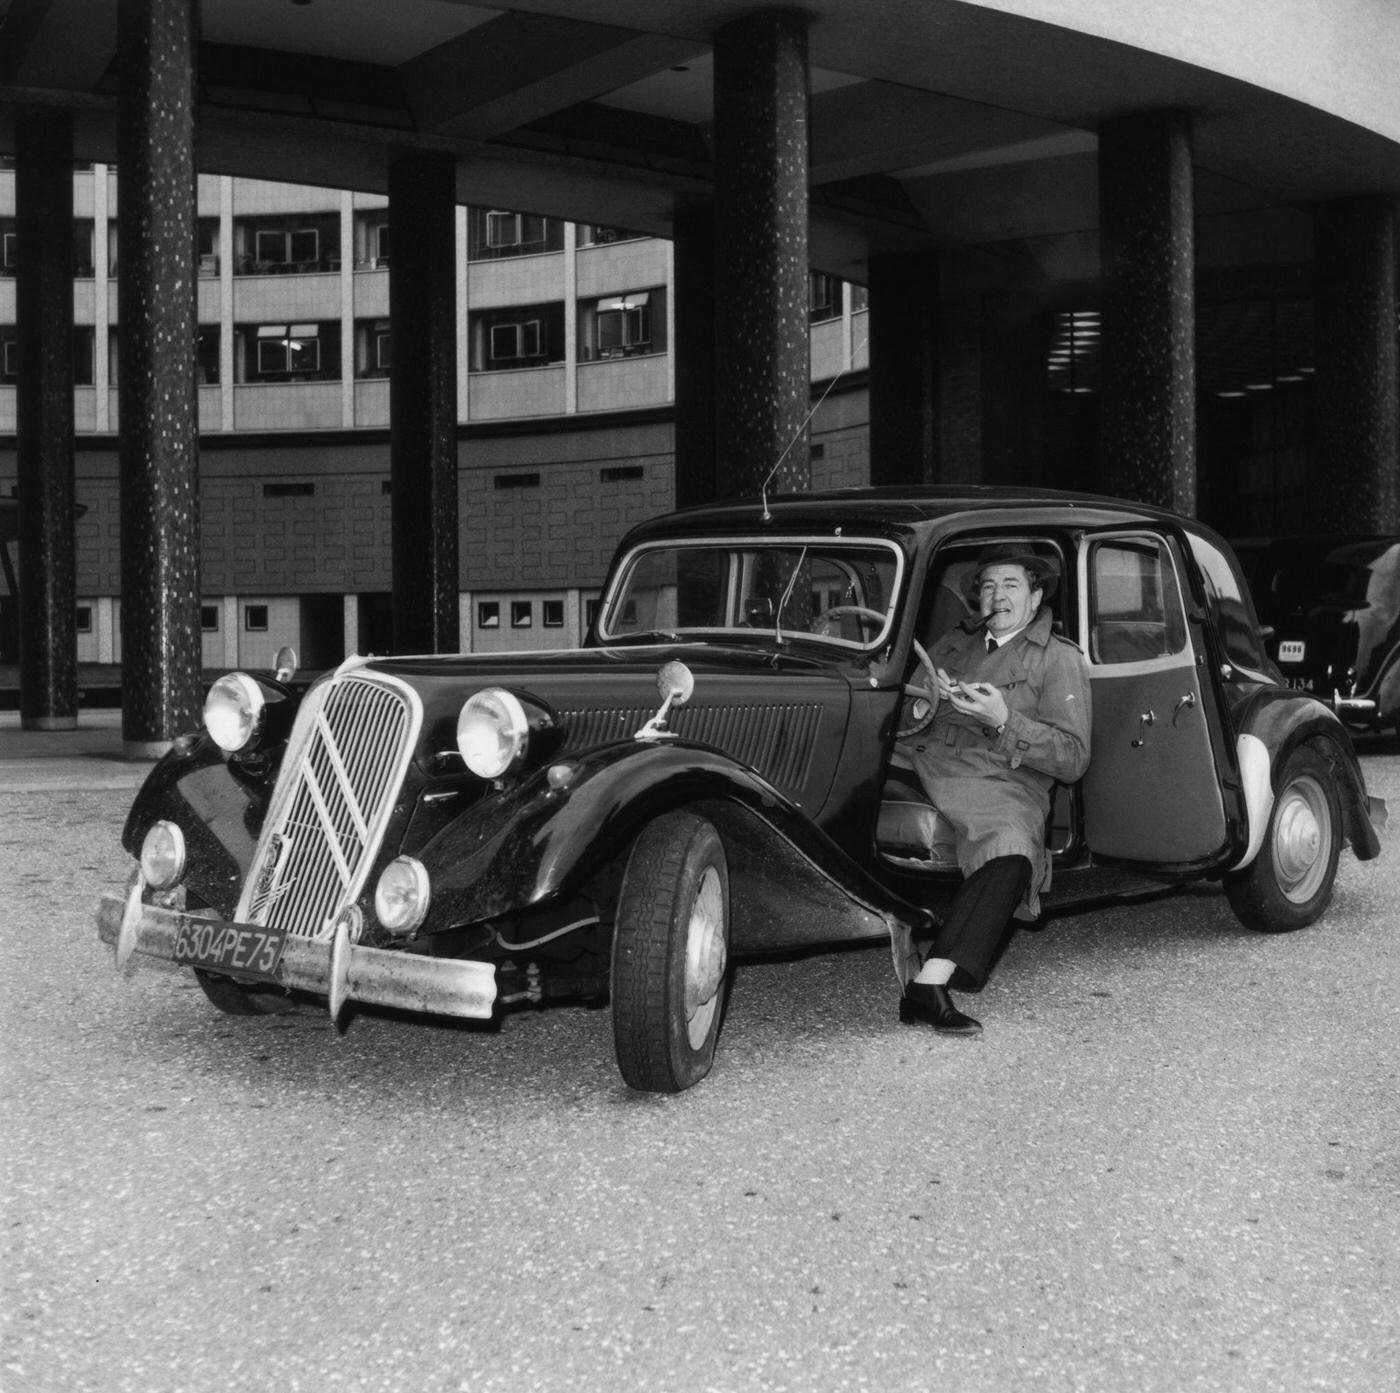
(670, 956)
(1289, 883)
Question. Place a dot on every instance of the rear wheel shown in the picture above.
(1289, 883)
(670, 954)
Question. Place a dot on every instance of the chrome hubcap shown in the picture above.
(705, 957)
(1302, 844)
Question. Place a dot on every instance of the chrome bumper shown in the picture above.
(337, 969)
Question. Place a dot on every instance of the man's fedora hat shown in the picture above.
(1044, 571)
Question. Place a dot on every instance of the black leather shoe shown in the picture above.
(922, 1004)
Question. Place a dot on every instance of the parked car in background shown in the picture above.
(1330, 607)
(715, 773)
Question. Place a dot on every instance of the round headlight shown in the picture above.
(401, 897)
(233, 712)
(492, 732)
(163, 856)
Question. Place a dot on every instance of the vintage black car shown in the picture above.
(715, 773)
(1330, 610)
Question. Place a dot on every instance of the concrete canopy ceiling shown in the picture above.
(934, 123)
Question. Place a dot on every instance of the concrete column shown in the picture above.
(1146, 209)
(904, 417)
(763, 377)
(693, 347)
(158, 314)
(1356, 478)
(48, 639)
(423, 402)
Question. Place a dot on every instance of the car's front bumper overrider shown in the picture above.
(335, 968)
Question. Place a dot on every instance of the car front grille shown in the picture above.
(344, 765)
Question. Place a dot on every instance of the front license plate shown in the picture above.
(244, 950)
(1291, 651)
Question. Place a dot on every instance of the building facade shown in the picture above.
(565, 390)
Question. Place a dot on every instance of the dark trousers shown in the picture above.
(982, 908)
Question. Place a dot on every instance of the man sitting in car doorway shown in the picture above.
(1012, 720)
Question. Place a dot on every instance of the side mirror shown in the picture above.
(285, 664)
(675, 683)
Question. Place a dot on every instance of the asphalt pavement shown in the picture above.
(1171, 1163)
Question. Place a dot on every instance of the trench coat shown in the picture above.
(995, 789)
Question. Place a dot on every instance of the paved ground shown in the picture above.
(1172, 1163)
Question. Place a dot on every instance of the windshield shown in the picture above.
(829, 589)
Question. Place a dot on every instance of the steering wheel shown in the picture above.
(821, 624)
(920, 704)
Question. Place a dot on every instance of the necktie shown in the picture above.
(991, 644)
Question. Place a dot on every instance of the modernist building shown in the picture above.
(565, 394)
(1148, 249)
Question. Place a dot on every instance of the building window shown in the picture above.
(209, 618)
(823, 297)
(289, 490)
(82, 619)
(82, 248)
(278, 248)
(208, 359)
(620, 326)
(84, 355)
(287, 350)
(520, 336)
(255, 618)
(522, 614)
(493, 233)
(552, 614)
(9, 357)
(488, 614)
(520, 340)
(517, 481)
(372, 346)
(265, 246)
(594, 235)
(860, 298)
(9, 245)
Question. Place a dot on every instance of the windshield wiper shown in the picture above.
(787, 595)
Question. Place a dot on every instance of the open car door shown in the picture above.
(1152, 795)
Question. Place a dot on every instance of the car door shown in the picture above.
(1152, 795)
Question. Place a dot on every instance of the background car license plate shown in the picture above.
(1291, 651)
(246, 950)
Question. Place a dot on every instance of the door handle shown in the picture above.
(1185, 704)
(1148, 718)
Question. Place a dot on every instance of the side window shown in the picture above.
(1135, 605)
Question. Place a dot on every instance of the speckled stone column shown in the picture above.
(904, 424)
(693, 239)
(48, 640)
(423, 402)
(1355, 481)
(761, 265)
(1149, 312)
(157, 310)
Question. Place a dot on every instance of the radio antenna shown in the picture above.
(806, 421)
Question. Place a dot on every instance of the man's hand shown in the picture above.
(979, 699)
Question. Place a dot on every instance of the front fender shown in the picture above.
(546, 837)
(1280, 721)
(219, 810)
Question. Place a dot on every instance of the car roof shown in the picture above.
(890, 508)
